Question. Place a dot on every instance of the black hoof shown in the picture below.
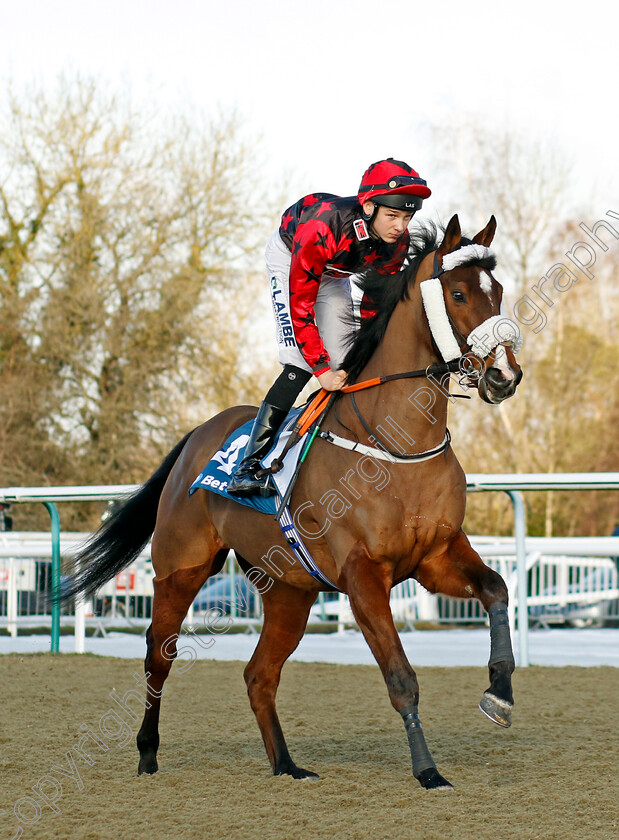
(499, 711)
(431, 779)
(148, 764)
(294, 771)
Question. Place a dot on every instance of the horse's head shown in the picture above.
(462, 301)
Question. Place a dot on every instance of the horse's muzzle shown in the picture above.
(494, 387)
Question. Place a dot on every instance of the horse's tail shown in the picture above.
(122, 537)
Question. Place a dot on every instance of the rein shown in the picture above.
(433, 370)
(317, 410)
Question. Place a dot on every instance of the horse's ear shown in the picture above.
(452, 237)
(485, 236)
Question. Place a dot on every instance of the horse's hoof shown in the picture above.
(148, 764)
(431, 779)
(295, 772)
(305, 774)
(499, 711)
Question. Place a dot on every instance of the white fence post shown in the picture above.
(11, 598)
(427, 605)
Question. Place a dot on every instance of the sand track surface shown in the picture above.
(553, 776)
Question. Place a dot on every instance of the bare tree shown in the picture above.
(523, 181)
(563, 417)
(128, 255)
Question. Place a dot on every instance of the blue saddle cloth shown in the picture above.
(217, 473)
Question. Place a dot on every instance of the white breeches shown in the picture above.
(333, 309)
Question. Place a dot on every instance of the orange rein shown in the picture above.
(315, 408)
(359, 386)
(319, 403)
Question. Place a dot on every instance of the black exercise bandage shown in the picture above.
(500, 641)
(420, 754)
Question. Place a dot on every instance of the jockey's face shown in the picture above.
(389, 224)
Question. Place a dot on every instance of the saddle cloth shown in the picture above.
(216, 475)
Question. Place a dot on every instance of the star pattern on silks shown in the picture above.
(325, 207)
(310, 199)
(307, 320)
(345, 243)
(396, 255)
(311, 275)
(287, 220)
(321, 240)
(303, 344)
(297, 244)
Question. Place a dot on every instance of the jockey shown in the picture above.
(321, 242)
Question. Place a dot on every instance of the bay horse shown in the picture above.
(369, 523)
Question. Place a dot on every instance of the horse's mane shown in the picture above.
(383, 292)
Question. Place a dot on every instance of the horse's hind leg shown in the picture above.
(285, 616)
(461, 573)
(173, 596)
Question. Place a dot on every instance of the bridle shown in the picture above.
(452, 347)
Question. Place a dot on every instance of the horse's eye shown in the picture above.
(458, 296)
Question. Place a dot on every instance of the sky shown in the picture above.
(329, 86)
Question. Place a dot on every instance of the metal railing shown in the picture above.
(511, 484)
(567, 581)
(48, 496)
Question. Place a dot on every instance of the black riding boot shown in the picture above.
(266, 425)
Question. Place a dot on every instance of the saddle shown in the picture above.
(216, 474)
(290, 447)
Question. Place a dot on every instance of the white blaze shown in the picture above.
(500, 362)
(485, 281)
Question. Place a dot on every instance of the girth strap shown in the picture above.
(298, 548)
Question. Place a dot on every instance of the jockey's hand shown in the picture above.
(332, 380)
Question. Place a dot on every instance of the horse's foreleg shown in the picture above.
(368, 586)
(173, 596)
(285, 616)
(461, 573)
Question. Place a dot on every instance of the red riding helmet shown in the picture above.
(393, 183)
